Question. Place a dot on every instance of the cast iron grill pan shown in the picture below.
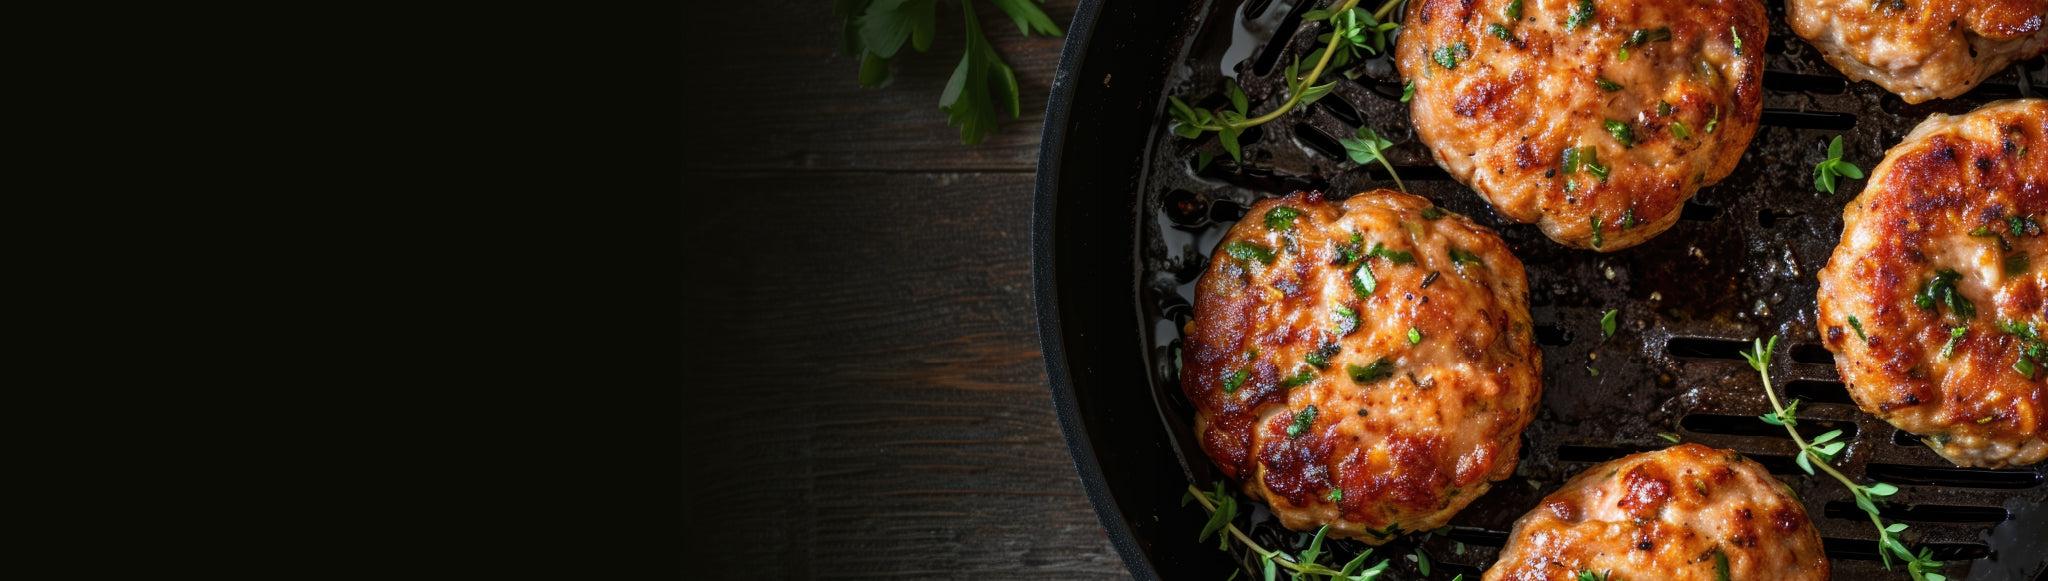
(1740, 264)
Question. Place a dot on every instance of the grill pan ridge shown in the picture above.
(1739, 264)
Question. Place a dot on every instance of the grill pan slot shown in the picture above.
(1952, 476)
(1930, 513)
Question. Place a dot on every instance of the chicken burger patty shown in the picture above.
(1921, 49)
(1685, 513)
(1367, 366)
(1933, 300)
(1595, 119)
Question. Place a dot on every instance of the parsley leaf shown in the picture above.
(1381, 368)
(1447, 56)
(1369, 147)
(981, 86)
(1824, 175)
(1607, 323)
(1581, 14)
(1281, 218)
(1302, 422)
(1622, 133)
(1246, 250)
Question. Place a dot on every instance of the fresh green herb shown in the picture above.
(1589, 575)
(1628, 218)
(1408, 91)
(1422, 562)
(2016, 264)
(1346, 319)
(1941, 290)
(1720, 565)
(1230, 384)
(1381, 368)
(1622, 133)
(1590, 159)
(1954, 335)
(1921, 566)
(1281, 218)
(1606, 85)
(1320, 358)
(1202, 160)
(1363, 282)
(1858, 326)
(1305, 565)
(1641, 36)
(1983, 231)
(1447, 56)
(2033, 353)
(1514, 10)
(982, 85)
(1302, 422)
(1607, 323)
(1587, 158)
(1581, 14)
(1670, 437)
(1394, 256)
(1591, 371)
(1679, 130)
(1500, 32)
(1715, 120)
(1737, 35)
(1663, 109)
(1621, 54)
(1300, 378)
(1986, 419)
(1432, 213)
(1460, 256)
(1596, 231)
(1824, 174)
(1335, 495)
(1247, 250)
(2022, 225)
(1352, 29)
(1369, 147)
(1414, 336)
(1349, 253)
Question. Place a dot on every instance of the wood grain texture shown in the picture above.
(802, 108)
(866, 394)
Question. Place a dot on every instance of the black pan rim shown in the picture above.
(1045, 295)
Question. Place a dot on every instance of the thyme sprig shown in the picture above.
(1222, 507)
(1353, 29)
(1922, 565)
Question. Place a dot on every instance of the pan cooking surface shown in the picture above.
(1739, 264)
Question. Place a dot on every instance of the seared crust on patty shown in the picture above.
(1671, 515)
(1368, 366)
(1922, 49)
(1943, 267)
(1499, 101)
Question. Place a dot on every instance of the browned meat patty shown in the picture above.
(1672, 515)
(1368, 366)
(1933, 300)
(1596, 119)
(1921, 49)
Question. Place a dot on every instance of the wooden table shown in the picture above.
(866, 393)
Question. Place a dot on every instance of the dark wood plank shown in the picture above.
(868, 394)
(777, 95)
